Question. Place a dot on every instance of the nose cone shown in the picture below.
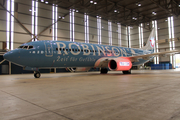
(11, 56)
(8, 56)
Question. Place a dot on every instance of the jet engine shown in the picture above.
(79, 69)
(120, 64)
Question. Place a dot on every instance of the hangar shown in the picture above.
(145, 94)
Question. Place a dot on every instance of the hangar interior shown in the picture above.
(143, 95)
(109, 22)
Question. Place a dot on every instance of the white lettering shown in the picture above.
(114, 52)
(94, 53)
(85, 48)
(77, 52)
(101, 50)
(109, 51)
(63, 47)
(124, 63)
(123, 52)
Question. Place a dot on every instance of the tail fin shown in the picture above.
(150, 44)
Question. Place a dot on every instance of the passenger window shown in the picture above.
(42, 52)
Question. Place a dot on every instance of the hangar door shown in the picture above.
(177, 59)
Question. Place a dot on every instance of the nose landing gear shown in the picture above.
(37, 74)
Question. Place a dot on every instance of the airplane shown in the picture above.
(81, 56)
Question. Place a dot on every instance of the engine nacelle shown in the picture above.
(120, 64)
(79, 69)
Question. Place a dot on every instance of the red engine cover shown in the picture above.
(120, 64)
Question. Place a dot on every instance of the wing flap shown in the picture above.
(147, 56)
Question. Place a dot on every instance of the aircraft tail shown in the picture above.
(150, 44)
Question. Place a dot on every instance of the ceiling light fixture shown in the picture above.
(138, 4)
(115, 10)
(95, 3)
(46, 2)
(91, 1)
(134, 18)
(154, 13)
(42, 0)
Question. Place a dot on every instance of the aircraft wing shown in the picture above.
(147, 56)
(103, 62)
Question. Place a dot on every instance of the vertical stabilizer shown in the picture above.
(150, 44)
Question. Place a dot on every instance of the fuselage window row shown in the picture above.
(84, 50)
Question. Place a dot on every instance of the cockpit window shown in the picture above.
(26, 47)
(20, 47)
(30, 47)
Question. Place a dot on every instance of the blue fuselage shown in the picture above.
(49, 54)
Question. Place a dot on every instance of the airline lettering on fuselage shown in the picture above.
(72, 52)
(87, 50)
(115, 53)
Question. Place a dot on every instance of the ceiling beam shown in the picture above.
(165, 9)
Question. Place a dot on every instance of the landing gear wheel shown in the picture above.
(37, 74)
(104, 71)
(127, 72)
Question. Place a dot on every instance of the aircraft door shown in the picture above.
(48, 49)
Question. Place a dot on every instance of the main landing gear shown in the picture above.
(104, 70)
(127, 72)
(37, 74)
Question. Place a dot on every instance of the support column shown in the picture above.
(9, 68)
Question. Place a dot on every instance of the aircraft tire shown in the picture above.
(37, 74)
(127, 72)
(104, 71)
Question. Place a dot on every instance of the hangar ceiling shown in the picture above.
(126, 12)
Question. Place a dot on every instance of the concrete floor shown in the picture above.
(143, 95)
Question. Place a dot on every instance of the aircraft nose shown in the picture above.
(11, 55)
(8, 56)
